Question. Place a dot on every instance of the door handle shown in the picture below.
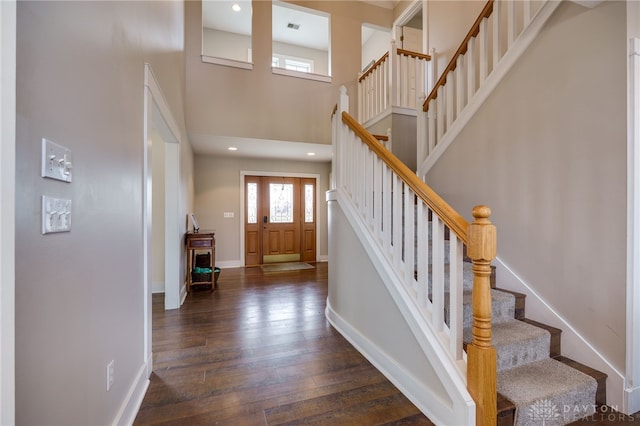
(265, 219)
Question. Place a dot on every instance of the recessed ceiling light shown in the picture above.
(236, 7)
(311, 154)
(232, 148)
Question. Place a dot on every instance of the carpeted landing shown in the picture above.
(545, 391)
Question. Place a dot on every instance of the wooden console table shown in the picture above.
(200, 241)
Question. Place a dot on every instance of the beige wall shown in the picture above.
(547, 152)
(217, 190)
(79, 295)
(258, 104)
(223, 44)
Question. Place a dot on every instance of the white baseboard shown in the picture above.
(574, 345)
(129, 408)
(324, 258)
(230, 264)
(632, 400)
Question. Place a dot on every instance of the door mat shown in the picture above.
(289, 266)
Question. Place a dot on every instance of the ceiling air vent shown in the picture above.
(293, 26)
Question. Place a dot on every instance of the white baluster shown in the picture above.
(449, 90)
(497, 35)
(437, 278)
(431, 74)
(409, 236)
(423, 254)
(393, 81)
(387, 202)
(455, 295)
(460, 79)
(440, 114)
(377, 199)
(511, 22)
(483, 54)
(526, 5)
(431, 127)
(422, 132)
(470, 58)
(397, 222)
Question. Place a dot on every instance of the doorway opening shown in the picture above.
(279, 219)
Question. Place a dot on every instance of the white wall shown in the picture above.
(79, 295)
(217, 190)
(375, 47)
(7, 212)
(448, 22)
(547, 153)
(223, 44)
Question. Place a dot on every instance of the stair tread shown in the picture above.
(517, 343)
(550, 383)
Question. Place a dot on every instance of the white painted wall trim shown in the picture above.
(7, 212)
(156, 115)
(508, 60)
(632, 386)
(406, 16)
(574, 345)
(244, 173)
(129, 408)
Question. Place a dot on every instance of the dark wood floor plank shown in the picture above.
(259, 351)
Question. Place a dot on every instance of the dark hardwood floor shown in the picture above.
(259, 351)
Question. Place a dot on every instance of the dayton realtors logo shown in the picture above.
(543, 411)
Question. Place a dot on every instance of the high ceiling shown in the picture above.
(312, 33)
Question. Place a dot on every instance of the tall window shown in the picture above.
(301, 41)
(226, 32)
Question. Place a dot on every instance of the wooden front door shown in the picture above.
(280, 221)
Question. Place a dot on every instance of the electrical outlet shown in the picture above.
(56, 214)
(110, 375)
(57, 161)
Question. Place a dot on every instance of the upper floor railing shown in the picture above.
(490, 38)
(422, 239)
(396, 79)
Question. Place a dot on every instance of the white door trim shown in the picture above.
(7, 212)
(632, 370)
(157, 115)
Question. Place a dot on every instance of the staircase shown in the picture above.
(536, 384)
(415, 241)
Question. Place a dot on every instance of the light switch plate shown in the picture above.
(57, 161)
(228, 214)
(56, 215)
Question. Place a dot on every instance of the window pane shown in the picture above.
(252, 202)
(281, 202)
(226, 29)
(308, 203)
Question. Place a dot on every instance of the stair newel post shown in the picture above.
(481, 355)
(393, 75)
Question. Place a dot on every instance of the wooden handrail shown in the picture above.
(486, 12)
(449, 216)
(373, 67)
(416, 55)
(334, 110)
(383, 138)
